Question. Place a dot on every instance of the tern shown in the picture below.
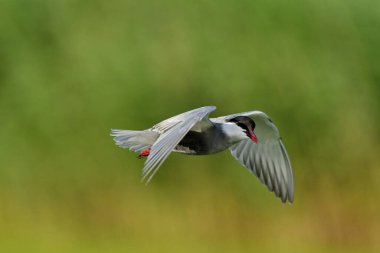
(252, 138)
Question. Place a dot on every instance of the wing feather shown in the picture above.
(268, 164)
(173, 130)
(267, 159)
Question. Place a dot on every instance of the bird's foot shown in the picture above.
(144, 153)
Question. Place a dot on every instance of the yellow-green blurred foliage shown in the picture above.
(71, 70)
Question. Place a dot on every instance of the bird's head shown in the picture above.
(247, 125)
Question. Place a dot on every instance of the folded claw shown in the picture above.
(144, 153)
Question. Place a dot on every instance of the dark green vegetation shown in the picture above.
(71, 70)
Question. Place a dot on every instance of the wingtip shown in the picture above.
(144, 180)
(210, 107)
(288, 199)
(291, 199)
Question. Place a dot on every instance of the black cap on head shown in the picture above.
(247, 124)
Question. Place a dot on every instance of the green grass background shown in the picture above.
(71, 70)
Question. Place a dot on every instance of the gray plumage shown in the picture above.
(194, 133)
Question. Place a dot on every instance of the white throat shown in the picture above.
(234, 133)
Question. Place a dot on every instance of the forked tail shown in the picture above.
(137, 141)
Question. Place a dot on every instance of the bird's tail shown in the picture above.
(137, 141)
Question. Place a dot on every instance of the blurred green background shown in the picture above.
(71, 70)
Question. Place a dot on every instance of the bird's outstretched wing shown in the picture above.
(267, 159)
(172, 132)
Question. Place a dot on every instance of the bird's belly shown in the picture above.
(195, 143)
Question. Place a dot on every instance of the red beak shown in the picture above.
(253, 137)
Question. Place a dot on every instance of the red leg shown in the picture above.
(144, 153)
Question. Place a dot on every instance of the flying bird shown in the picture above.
(252, 138)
